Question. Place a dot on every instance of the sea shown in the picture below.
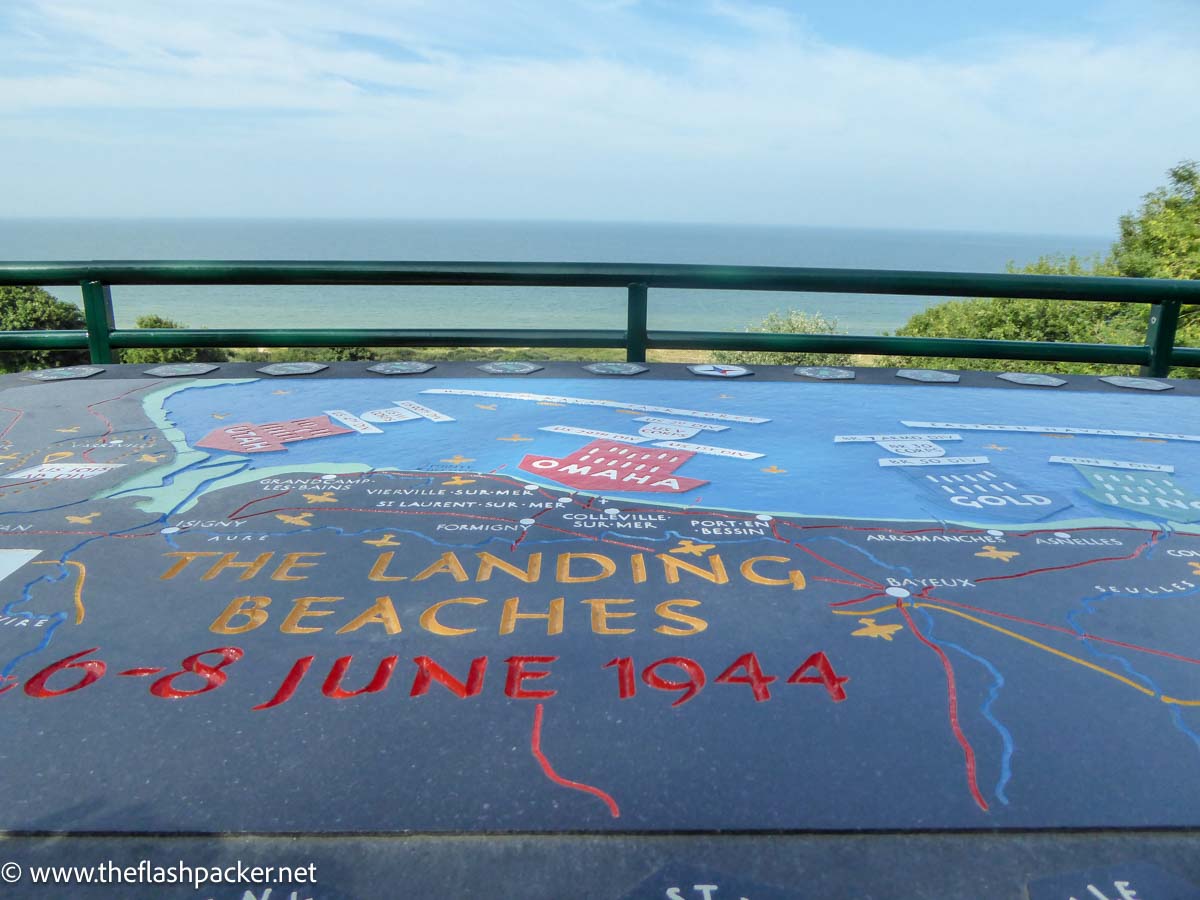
(256, 306)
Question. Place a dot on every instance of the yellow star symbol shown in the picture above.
(688, 546)
(324, 497)
(71, 430)
(514, 438)
(385, 541)
(458, 459)
(298, 519)
(220, 415)
(990, 552)
(459, 480)
(491, 406)
(996, 447)
(1195, 567)
(280, 392)
(151, 457)
(774, 470)
(83, 520)
(871, 630)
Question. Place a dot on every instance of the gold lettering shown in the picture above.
(531, 573)
(447, 562)
(665, 611)
(638, 563)
(601, 614)
(715, 573)
(381, 565)
(795, 576)
(430, 623)
(563, 574)
(381, 612)
(185, 557)
(554, 617)
(253, 608)
(228, 562)
(291, 561)
(300, 610)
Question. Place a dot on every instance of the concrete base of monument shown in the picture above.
(569, 626)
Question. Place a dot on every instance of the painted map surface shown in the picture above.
(582, 603)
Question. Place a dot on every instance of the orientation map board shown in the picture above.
(457, 600)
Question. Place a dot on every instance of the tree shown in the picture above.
(154, 355)
(28, 308)
(1163, 239)
(1160, 240)
(793, 321)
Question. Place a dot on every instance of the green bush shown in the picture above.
(154, 355)
(792, 321)
(32, 308)
(1160, 240)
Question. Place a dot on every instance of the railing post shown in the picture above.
(635, 327)
(1160, 337)
(98, 313)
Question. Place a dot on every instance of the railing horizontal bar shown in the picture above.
(751, 278)
(901, 346)
(367, 337)
(43, 340)
(1185, 356)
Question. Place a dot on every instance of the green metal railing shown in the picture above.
(1156, 356)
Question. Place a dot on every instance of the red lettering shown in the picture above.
(626, 685)
(691, 687)
(213, 675)
(825, 675)
(514, 684)
(294, 676)
(429, 671)
(754, 676)
(333, 682)
(93, 670)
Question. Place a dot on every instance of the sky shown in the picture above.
(1034, 116)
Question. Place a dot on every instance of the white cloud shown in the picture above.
(593, 110)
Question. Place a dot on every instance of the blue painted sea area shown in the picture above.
(802, 472)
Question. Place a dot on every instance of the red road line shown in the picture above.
(952, 702)
(1087, 562)
(840, 581)
(864, 580)
(418, 512)
(249, 503)
(535, 744)
(859, 600)
(16, 419)
(87, 454)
